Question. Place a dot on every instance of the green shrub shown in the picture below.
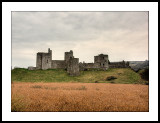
(145, 74)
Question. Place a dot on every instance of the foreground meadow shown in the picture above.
(75, 97)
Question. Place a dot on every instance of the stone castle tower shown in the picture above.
(44, 60)
(72, 63)
(101, 61)
(68, 55)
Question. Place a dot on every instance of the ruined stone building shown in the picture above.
(101, 62)
(44, 61)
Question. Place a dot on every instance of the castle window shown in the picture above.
(47, 60)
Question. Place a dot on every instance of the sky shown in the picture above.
(121, 35)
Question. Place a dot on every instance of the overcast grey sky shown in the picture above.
(121, 35)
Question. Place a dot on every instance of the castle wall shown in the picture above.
(97, 65)
(89, 65)
(73, 67)
(118, 64)
(32, 68)
(84, 66)
(39, 61)
(58, 64)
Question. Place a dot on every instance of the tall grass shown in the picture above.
(87, 97)
(17, 103)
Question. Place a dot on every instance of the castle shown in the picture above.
(71, 64)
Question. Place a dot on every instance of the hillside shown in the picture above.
(123, 75)
(138, 65)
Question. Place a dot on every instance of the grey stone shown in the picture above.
(31, 68)
(73, 67)
(44, 60)
(101, 62)
(121, 64)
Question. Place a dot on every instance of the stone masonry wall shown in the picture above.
(31, 68)
(39, 61)
(73, 67)
(122, 64)
(58, 64)
(46, 61)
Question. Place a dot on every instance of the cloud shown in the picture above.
(121, 35)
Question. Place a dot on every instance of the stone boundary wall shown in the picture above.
(122, 64)
(58, 64)
(32, 68)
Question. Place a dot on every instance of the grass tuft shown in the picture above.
(81, 88)
(36, 86)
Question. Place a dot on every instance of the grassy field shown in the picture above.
(123, 75)
(75, 97)
(55, 91)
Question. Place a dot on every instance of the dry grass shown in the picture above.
(56, 97)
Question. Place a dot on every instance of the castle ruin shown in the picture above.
(101, 62)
